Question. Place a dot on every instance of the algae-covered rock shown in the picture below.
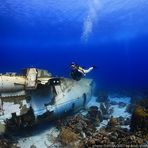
(113, 122)
(7, 143)
(139, 120)
(141, 103)
(95, 115)
(67, 136)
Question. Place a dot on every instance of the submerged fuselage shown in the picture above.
(37, 96)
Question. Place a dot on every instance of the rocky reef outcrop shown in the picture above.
(113, 139)
(115, 132)
(8, 142)
(95, 115)
(80, 131)
(139, 120)
(139, 110)
(136, 103)
(67, 136)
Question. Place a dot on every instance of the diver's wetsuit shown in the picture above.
(76, 75)
(78, 72)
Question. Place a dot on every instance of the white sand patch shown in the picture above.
(43, 140)
(119, 112)
(120, 99)
(93, 102)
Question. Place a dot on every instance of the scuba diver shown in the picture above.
(77, 72)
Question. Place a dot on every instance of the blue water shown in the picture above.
(49, 34)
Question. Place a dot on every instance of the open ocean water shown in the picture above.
(50, 34)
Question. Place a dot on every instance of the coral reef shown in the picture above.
(7, 142)
(79, 124)
(113, 122)
(137, 103)
(67, 136)
(111, 135)
(139, 120)
(114, 139)
(95, 115)
(105, 108)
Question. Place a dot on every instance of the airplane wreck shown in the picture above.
(36, 96)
